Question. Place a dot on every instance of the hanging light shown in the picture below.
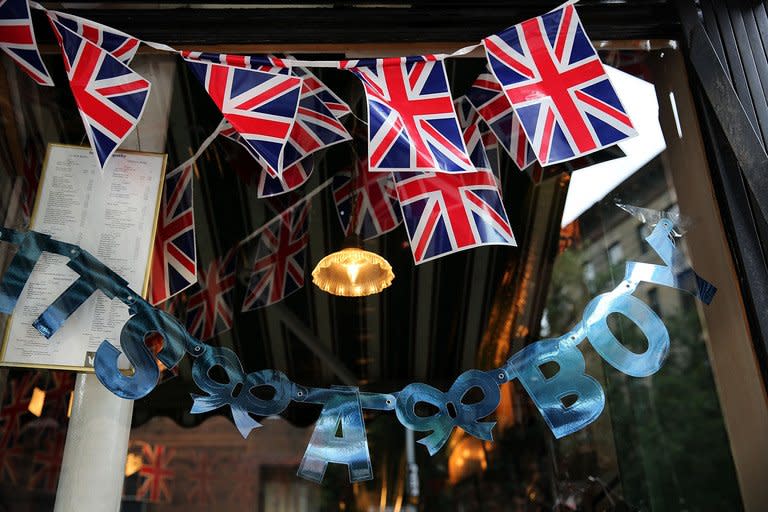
(353, 271)
(36, 402)
(133, 463)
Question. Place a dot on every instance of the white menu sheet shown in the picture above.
(110, 214)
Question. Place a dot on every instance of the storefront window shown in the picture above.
(662, 443)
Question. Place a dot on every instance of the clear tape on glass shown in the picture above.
(342, 406)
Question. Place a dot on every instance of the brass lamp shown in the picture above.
(352, 271)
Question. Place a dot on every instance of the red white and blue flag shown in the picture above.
(270, 185)
(278, 269)
(156, 474)
(265, 63)
(366, 203)
(558, 87)
(17, 39)
(489, 100)
(411, 120)
(446, 213)
(312, 85)
(109, 95)
(209, 309)
(174, 258)
(316, 126)
(122, 46)
(260, 106)
(472, 130)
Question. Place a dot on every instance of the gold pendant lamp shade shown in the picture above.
(353, 271)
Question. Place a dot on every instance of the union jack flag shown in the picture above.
(370, 199)
(10, 451)
(209, 310)
(265, 63)
(272, 64)
(491, 145)
(447, 213)
(47, 463)
(156, 474)
(122, 46)
(488, 99)
(472, 130)
(411, 121)
(558, 87)
(17, 39)
(278, 269)
(109, 95)
(269, 184)
(260, 106)
(316, 126)
(312, 85)
(18, 404)
(201, 473)
(174, 257)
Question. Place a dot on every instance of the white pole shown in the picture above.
(93, 468)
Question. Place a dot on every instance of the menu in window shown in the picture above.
(111, 214)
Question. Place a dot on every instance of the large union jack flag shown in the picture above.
(156, 474)
(489, 100)
(411, 121)
(558, 87)
(278, 269)
(17, 39)
(209, 310)
(174, 258)
(260, 106)
(122, 46)
(270, 185)
(109, 95)
(446, 213)
(366, 203)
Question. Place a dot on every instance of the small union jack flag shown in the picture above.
(446, 213)
(411, 121)
(174, 257)
(367, 200)
(270, 185)
(472, 130)
(109, 95)
(260, 106)
(122, 46)
(209, 310)
(156, 474)
(17, 39)
(265, 63)
(312, 85)
(489, 100)
(278, 269)
(558, 87)
(47, 463)
(201, 474)
(316, 126)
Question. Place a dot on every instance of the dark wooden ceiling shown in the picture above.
(307, 21)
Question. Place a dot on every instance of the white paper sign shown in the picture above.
(111, 214)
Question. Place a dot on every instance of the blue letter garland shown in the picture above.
(342, 406)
